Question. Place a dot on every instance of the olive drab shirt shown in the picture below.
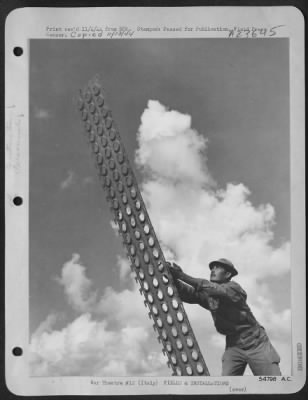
(230, 311)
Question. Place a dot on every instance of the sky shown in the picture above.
(205, 123)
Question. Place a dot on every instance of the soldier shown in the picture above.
(246, 340)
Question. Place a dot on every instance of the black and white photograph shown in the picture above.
(158, 186)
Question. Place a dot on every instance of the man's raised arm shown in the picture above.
(188, 287)
(230, 290)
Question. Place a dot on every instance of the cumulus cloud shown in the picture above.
(68, 181)
(77, 286)
(87, 346)
(48, 324)
(196, 221)
(169, 148)
(124, 268)
(111, 336)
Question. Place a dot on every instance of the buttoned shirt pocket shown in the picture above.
(213, 303)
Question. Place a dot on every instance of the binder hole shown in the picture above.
(17, 351)
(18, 51)
(17, 201)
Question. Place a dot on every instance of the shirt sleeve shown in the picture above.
(188, 294)
(229, 290)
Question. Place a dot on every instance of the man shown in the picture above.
(246, 340)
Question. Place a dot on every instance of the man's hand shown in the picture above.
(179, 274)
(175, 269)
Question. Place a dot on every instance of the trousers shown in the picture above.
(262, 359)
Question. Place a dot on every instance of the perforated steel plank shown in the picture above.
(138, 236)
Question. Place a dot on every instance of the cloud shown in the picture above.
(88, 180)
(112, 336)
(196, 221)
(86, 347)
(40, 113)
(71, 179)
(124, 268)
(77, 287)
(68, 181)
(47, 325)
(169, 148)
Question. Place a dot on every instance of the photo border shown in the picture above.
(17, 184)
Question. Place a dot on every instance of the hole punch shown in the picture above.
(17, 351)
(18, 51)
(17, 201)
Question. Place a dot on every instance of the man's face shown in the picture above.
(219, 274)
